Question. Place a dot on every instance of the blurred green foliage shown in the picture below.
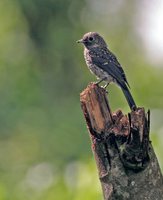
(44, 146)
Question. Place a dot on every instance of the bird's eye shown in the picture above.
(90, 39)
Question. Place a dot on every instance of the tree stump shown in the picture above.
(125, 159)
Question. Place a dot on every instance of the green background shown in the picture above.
(45, 151)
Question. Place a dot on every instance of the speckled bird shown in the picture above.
(104, 64)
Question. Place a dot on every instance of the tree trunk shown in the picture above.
(126, 162)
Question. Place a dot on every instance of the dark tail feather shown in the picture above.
(129, 98)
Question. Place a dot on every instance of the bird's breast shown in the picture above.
(96, 70)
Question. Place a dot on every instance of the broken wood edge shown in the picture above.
(101, 122)
(97, 122)
(90, 100)
(136, 152)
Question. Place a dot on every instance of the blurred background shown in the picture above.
(45, 150)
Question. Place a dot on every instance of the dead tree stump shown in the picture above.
(126, 162)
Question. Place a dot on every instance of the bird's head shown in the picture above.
(92, 40)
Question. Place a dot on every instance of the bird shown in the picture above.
(104, 64)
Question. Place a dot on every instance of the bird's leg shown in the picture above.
(106, 85)
(98, 82)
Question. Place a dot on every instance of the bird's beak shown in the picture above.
(80, 41)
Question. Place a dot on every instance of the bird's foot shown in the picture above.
(105, 86)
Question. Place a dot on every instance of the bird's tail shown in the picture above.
(129, 98)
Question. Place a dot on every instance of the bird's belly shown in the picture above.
(101, 74)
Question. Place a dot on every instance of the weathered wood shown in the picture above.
(127, 165)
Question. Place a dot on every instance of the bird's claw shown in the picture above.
(104, 89)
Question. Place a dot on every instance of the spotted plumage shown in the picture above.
(104, 64)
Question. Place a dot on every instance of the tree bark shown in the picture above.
(125, 159)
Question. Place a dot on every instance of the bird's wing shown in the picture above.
(109, 63)
(114, 60)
